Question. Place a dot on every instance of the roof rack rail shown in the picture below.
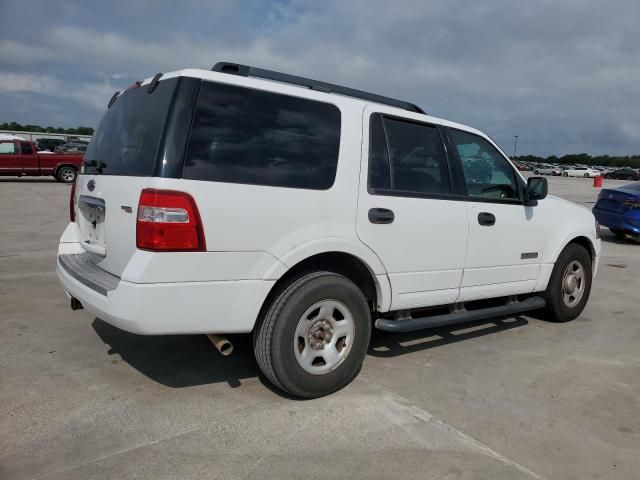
(248, 71)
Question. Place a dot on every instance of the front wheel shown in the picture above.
(565, 174)
(570, 284)
(314, 335)
(586, 175)
(66, 174)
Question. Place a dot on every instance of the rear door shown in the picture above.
(506, 238)
(10, 163)
(126, 151)
(408, 213)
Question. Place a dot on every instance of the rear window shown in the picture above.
(241, 135)
(127, 139)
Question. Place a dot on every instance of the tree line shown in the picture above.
(585, 159)
(37, 128)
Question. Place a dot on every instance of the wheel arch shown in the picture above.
(65, 164)
(580, 239)
(374, 285)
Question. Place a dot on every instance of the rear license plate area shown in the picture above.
(92, 219)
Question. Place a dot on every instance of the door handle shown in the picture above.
(487, 219)
(381, 215)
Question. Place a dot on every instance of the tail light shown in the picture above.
(632, 203)
(168, 221)
(72, 203)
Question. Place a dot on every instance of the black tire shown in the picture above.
(66, 174)
(536, 172)
(618, 233)
(557, 310)
(586, 175)
(274, 335)
(565, 174)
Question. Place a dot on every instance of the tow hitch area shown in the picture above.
(75, 304)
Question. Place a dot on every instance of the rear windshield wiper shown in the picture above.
(99, 165)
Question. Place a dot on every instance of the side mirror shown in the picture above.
(537, 189)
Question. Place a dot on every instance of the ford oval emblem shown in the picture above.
(91, 185)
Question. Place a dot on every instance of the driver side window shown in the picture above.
(486, 172)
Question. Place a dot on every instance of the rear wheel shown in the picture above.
(565, 174)
(618, 233)
(586, 175)
(314, 335)
(570, 284)
(66, 174)
(536, 172)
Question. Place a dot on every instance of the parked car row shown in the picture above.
(75, 145)
(625, 173)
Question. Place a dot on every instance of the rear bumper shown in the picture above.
(169, 308)
(621, 221)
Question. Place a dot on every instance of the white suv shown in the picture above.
(243, 200)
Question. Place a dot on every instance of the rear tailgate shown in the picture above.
(120, 162)
(106, 208)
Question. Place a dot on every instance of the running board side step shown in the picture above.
(459, 316)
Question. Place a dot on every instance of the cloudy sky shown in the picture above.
(563, 75)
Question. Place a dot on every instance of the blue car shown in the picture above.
(619, 209)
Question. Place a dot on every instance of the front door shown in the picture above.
(506, 238)
(408, 213)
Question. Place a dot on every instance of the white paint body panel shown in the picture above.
(424, 249)
(494, 255)
(434, 253)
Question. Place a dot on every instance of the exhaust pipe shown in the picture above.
(75, 304)
(222, 344)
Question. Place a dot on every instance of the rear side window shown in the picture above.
(26, 148)
(406, 156)
(241, 135)
(7, 148)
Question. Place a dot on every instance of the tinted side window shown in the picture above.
(487, 173)
(407, 156)
(26, 148)
(7, 148)
(249, 136)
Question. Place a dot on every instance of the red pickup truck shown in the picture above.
(20, 157)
